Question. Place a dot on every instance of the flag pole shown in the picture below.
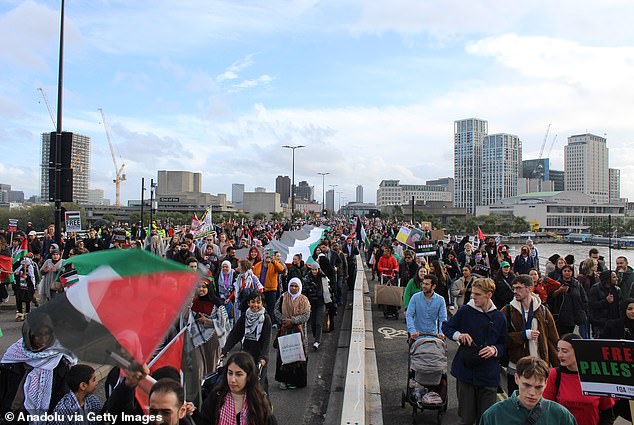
(164, 349)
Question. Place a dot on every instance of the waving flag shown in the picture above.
(6, 269)
(124, 302)
(24, 249)
(480, 234)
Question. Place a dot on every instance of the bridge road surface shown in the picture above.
(302, 406)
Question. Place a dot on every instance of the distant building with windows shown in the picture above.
(80, 163)
(586, 159)
(559, 212)
(391, 192)
(283, 187)
(501, 162)
(468, 142)
(237, 194)
(615, 184)
(359, 194)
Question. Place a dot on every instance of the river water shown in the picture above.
(579, 251)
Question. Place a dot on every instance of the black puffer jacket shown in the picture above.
(571, 308)
(600, 309)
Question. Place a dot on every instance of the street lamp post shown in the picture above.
(293, 178)
(323, 190)
(339, 193)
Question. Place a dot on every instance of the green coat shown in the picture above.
(511, 412)
(409, 292)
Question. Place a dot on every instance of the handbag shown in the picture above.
(291, 348)
(470, 356)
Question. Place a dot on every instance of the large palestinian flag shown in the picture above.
(123, 302)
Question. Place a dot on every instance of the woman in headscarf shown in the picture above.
(207, 309)
(225, 278)
(253, 328)
(244, 284)
(33, 369)
(292, 310)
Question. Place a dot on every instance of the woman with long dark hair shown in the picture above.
(442, 288)
(239, 398)
(564, 387)
(414, 285)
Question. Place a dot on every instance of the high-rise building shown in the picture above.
(80, 163)
(501, 159)
(615, 184)
(558, 178)
(237, 194)
(5, 189)
(468, 139)
(304, 191)
(170, 182)
(330, 199)
(283, 187)
(586, 159)
(359, 197)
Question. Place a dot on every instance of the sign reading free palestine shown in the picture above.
(606, 367)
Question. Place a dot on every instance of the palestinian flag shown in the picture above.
(124, 302)
(360, 232)
(6, 269)
(24, 249)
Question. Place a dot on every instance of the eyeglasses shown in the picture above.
(518, 288)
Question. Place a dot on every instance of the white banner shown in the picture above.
(73, 221)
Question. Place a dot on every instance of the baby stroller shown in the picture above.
(390, 278)
(426, 376)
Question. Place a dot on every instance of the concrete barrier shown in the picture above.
(362, 395)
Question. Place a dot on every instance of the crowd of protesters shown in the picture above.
(514, 316)
(248, 300)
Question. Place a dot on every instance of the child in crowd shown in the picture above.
(80, 401)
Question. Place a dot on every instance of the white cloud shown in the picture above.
(245, 84)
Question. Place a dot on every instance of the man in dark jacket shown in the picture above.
(625, 274)
(93, 241)
(480, 329)
(603, 301)
(351, 252)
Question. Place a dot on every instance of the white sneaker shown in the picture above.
(316, 345)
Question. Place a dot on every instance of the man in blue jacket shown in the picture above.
(480, 329)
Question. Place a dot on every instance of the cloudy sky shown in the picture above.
(371, 87)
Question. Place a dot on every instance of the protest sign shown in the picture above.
(73, 221)
(605, 367)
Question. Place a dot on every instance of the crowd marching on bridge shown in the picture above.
(508, 315)
(248, 295)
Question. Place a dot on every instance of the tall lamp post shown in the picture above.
(323, 190)
(339, 193)
(58, 136)
(293, 178)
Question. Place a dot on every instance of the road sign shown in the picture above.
(13, 225)
(73, 221)
(605, 367)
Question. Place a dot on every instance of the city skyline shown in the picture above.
(218, 88)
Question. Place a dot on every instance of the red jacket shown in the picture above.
(387, 265)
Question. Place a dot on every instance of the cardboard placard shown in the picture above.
(13, 225)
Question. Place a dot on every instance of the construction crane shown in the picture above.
(48, 106)
(538, 172)
(551, 145)
(118, 170)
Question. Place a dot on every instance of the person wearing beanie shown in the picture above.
(604, 299)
